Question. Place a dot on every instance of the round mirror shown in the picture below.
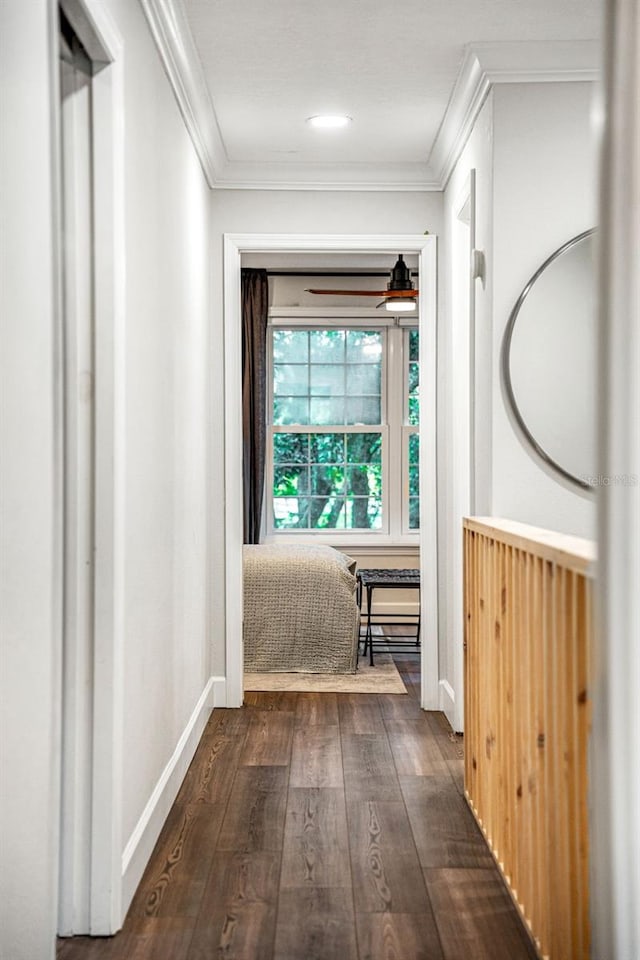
(549, 362)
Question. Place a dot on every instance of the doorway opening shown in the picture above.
(265, 246)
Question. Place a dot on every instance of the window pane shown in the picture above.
(291, 345)
(363, 513)
(327, 513)
(414, 411)
(327, 447)
(365, 480)
(364, 346)
(290, 379)
(327, 346)
(413, 379)
(364, 410)
(291, 513)
(364, 448)
(327, 479)
(363, 378)
(291, 447)
(327, 379)
(325, 411)
(288, 410)
(414, 393)
(414, 481)
(290, 481)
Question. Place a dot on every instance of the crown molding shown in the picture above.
(486, 64)
(326, 176)
(170, 30)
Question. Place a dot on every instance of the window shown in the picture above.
(412, 446)
(344, 412)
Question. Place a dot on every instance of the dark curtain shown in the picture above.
(255, 305)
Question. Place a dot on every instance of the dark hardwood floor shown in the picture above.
(320, 827)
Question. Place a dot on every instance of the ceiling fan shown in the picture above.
(400, 294)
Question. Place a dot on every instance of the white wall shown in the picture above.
(533, 151)
(30, 667)
(165, 644)
(166, 661)
(545, 190)
(321, 212)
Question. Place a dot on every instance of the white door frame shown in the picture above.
(102, 763)
(234, 246)
(459, 446)
(614, 775)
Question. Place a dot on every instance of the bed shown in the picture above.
(300, 612)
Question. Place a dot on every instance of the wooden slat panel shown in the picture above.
(572, 553)
(467, 643)
(540, 908)
(584, 634)
(509, 665)
(528, 623)
(517, 677)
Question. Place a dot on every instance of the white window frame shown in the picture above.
(393, 427)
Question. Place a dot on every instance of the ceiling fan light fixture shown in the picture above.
(400, 276)
(400, 282)
(400, 304)
(329, 121)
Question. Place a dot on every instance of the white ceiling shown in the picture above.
(392, 67)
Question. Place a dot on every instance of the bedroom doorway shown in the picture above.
(267, 245)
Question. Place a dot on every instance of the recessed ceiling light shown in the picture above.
(329, 121)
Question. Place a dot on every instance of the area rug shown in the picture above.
(383, 678)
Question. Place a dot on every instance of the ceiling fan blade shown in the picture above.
(349, 293)
(366, 293)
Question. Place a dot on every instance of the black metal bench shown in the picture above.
(369, 579)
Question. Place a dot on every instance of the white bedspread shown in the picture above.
(300, 613)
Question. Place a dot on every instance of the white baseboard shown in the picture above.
(140, 845)
(448, 701)
(219, 692)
